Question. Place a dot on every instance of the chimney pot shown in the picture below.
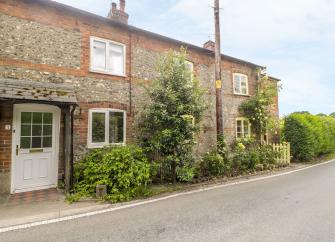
(113, 7)
(118, 14)
(122, 5)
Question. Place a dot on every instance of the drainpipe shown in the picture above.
(130, 74)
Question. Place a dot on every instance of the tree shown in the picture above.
(173, 112)
(332, 115)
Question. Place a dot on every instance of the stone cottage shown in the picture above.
(71, 81)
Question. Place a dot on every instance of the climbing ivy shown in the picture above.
(257, 108)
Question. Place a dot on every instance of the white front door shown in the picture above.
(35, 147)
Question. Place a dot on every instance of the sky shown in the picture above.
(294, 39)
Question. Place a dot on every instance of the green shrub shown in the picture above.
(244, 156)
(243, 159)
(185, 173)
(213, 164)
(250, 156)
(124, 170)
(267, 155)
(310, 135)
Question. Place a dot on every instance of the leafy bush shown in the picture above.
(185, 173)
(309, 135)
(267, 155)
(213, 164)
(251, 157)
(243, 159)
(245, 155)
(124, 170)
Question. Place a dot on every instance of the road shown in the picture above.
(295, 207)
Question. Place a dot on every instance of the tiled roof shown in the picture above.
(131, 28)
(39, 91)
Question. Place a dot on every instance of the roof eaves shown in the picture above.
(136, 29)
(275, 79)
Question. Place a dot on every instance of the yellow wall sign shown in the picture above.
(218, 84)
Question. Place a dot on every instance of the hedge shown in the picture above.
(310, 135)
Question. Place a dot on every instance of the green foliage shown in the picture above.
(267, 155)
(222, 146)
(212, 164)
(332, 115)
(124, 170)
(257, 108)
(185, 173)
(249, 158)
(215, 163)
(310, 135)
(245, 156)
(171, 117)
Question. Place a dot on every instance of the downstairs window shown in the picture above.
(243, 128)
(106, 127)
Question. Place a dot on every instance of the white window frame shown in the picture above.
(247, 84)
(242, 131)
(106, 111)
(107, 42)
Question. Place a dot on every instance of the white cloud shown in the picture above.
(294, 38)
(258, 22)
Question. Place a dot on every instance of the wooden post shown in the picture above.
(67, 150)
(218, 81)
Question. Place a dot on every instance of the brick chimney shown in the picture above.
(209, 45)
(119, 14)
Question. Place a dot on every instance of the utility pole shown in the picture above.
(218, 81)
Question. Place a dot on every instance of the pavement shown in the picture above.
(39, 206)
(296, 206)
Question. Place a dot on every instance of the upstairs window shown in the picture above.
(240, 84)
(106, 127)
(107, 57)
(243, 128)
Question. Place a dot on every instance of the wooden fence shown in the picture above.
(284, 153)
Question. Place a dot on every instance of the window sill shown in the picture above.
(107, 73)
(242, 95)
(238, 139)
(92, 146)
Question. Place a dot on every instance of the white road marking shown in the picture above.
(83, 215)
